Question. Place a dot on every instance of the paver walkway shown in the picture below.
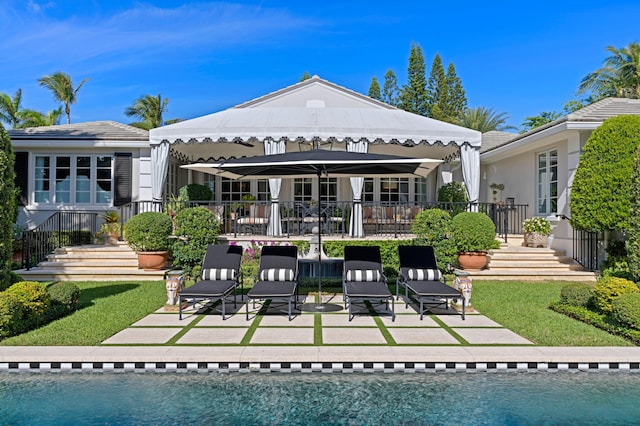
(203, 326)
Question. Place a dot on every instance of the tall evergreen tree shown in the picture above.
(390, 88)
(305, 76)
(456, 99)
(436, 87)
(413, 97)
(8, 203)
(374, 89)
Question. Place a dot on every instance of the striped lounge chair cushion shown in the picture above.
(364, 275)
(424, 274)
(277, 274)
(218, 274)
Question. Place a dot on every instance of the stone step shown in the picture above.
(533, 275)
(534, 267)
(75, 257)
(95, 263)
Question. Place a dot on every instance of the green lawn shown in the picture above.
(523, 307)
(106, 308)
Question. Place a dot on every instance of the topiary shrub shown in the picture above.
(200, 227)
(600, 196)
(432, 227)
(11, 315)
(626, 310)
(195, 192)
(473, 232)
(65, 298)
(608, 288)
(452, 192)
(577, 294)
(148, 231)
(34, 298)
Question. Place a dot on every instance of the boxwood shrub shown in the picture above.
(626, 310)
(608, 288)
(200, 227)
(65, 298)
(34, 298)
(148, 231)
(11, 315)
(577, 294)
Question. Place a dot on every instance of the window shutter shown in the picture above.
(122, 178)
(21, 181)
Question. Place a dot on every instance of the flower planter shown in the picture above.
(533, 239)
(152, 260)
(472, 261)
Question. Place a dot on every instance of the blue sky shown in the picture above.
(520, 58)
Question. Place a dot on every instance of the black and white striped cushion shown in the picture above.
(424, 274)
(276, 274)
(218, 274)
(364, 275)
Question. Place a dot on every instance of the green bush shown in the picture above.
(616, 263)
(452, 192)
(34, 298)
(633, 236)
(473, 231)
(600, 195)
(608, 288)
(65, 294)
(148, 231)
(195, 192)
(200, 227)
(11, 315)
(8, 203)
(388, 252)
(432, 227)
(577, 294)
(626, 310)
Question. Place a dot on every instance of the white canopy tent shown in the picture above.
(317, 111)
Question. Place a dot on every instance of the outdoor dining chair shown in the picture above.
(364, 283)
(420, 277)
(219, 278)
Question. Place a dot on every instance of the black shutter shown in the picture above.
(122, 178)
(21, 167)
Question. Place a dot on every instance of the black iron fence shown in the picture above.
(586, 249)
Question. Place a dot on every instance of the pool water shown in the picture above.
(307, 399)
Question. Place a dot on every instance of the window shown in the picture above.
(421, 191)
(394, 190)
(233, 190)
(302, 190)
(329, 189)
(547, 182)
(73, 179)
(367, 190)
(263, 190)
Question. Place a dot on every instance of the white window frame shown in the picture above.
(545, 183)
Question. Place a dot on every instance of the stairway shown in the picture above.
(513, 261)
(91, 263)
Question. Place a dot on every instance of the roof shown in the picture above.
(495, 138)
(595, 113)
(93, 130)
(316, 109)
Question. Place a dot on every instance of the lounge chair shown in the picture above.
(364, 281)
(420, 276)
(277, 278)
(220, 277)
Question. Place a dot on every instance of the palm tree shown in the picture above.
(484, 120)
(10, 108)
(620, 75)
(149, 109)
(32, 118)
(62, 89)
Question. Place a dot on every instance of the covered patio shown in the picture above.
(310, 114)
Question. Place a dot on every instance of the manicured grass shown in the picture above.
(523, 307)
(106, 308)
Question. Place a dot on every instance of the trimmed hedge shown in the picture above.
(577, 294)
(633, 236)
(11, 315)
(432, 227)
(200, 226)
(608, 288)
(626, 310)
(8, 203)
(195, 192)
(34, 298)
(65, 298)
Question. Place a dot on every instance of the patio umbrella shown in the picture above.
(319, 162)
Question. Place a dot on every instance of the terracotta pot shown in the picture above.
(152, 260)
(472, 261)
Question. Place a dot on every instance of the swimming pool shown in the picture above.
(297, 399)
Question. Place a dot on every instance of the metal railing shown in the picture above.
(61, 229)
(586, 249)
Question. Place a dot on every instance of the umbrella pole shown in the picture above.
(319, 305)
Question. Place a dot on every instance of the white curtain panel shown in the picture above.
(274, 228)
(159, 165)
(445, 175)
(470, 161)
(357, 183)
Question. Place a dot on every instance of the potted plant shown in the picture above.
(536, 231)
(111, 227)
(17, 235)
(495, 187)
(148, 234)
(474, 234)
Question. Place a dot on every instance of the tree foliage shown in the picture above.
(32, 118)
(484, 120)
(390, 89)
(200, 227)
(538, 120)
(633, 236)
(374, 89)
(436, 86)
(600, 196)
(620, 75)
(61, 87)
(149, 110)
(10, 108)
(453, 100)
(432, 227)
(8, 203)
(413, 97)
